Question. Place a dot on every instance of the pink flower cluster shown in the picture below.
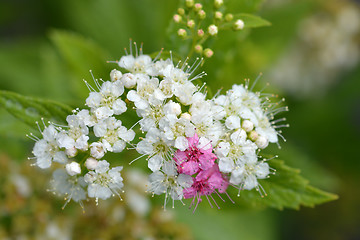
(198, 161)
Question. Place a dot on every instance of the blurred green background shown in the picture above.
(310, 55)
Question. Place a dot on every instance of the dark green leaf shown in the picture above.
(30, 110)
(287, 189)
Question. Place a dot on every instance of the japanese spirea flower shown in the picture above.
(195, 147)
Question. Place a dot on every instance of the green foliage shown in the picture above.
(30, 110)
(287, 189)
(252, 21)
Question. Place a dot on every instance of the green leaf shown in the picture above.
(251, 21)
(287, 189)
(30, 110)
(81, 55)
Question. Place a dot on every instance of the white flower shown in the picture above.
(135, 64)
(156, 147)
(97, 150)
(104, 182)
(107, 101)
(47, 149)
(70, 186)
(113, 135)
(76, 135)
(169, 182)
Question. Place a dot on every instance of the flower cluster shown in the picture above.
(191, 24)
(194, 146)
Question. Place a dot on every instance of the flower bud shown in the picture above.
(115, 75)
(218, 15)
(218, 3)
(91, 163)
(71, 152)
(229, 17)
(189, 3)
(186, 116)
(73, 168)
(213, 30)
(208, 53)
(247, 125)
(202, 14)
(253, 135)
(239, 24)
(262, 142)
(198, 6)
(191, 23)
(181, 11)
(182, 33)
(129, 80)
(200, 33)
(177, 18)
(198, 48)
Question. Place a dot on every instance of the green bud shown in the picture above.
(229, 17)
(198, 48)
(181, 11)
(177, 18)
(182, 33)
(218, 3)
(218, 15)
(189, 3)
(191, 23)
(200, 33)
(208, 53)
(202, 14)
(198, 6)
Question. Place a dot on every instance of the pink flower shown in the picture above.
(197, 157)
(205, 183)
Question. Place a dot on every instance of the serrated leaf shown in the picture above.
(30, 110)
(252, 21)
(287, 189)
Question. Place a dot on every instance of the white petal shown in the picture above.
(155, 163)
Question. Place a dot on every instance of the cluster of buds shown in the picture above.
(194, 146)
(190, 20)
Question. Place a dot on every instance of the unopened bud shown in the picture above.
(213, 30)
(115, 75)
(200, 33)
(186, 116)
(202, 14)
(208, 53)
(239, 24)
(229, 17)
(253, 135)
(73, 168)
(181, 11)
(177, 18)
(91, 163)
(218, 15)
(247, 125)
(71, 152)
(129, 80)
(198, 48)
(191, 23)
(182, 33)
(189, 3)
(218, 3)
(198, 6)
(262, 142)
